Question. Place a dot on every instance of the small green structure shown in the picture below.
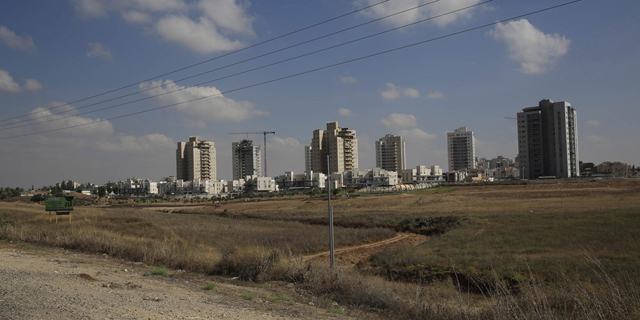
(61, 205)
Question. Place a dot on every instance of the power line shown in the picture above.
(253, 69)
(237, 63)
(304, 72)
(209, 60)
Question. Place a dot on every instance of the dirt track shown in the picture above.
(348, 256)
(59, 284)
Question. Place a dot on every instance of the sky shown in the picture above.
(61, 63)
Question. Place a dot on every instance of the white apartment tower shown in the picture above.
(548, 140)
(246, 160)
(340, 144)
(461, 146)
(307, 159)
(196, 159)
(390, 154)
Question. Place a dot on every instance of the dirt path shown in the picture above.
(354, 255)
(45, 283)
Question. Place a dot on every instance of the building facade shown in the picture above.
(548, 141)
(340, 144)
(461, 148)
(390, 153)
(196, 159)
(246, 159)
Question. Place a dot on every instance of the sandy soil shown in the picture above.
(46, 283)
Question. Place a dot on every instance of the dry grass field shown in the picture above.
(558, 250)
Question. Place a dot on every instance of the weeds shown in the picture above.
(210, 286)
(156, 271)
(248, 295)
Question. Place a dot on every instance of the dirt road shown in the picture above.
(349, 256)
(45, 283)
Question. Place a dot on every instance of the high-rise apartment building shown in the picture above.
(246, 160)
(461, 146)
(340, 144)
(196, 159)
(548, 140)
(390, 154)
(307, 158)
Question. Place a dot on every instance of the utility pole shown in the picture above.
(333, 266)
(265, 133)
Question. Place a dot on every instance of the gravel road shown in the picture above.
(46, 283)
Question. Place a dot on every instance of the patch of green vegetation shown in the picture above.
(269, 309)
(248, 295)
(29, 247)
(5, 222)
(210, 286)
(4, 240)
(337, 310)
(156, 271)
(283, 297)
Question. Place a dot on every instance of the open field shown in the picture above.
(569, 250)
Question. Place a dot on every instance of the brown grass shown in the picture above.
(568, 251)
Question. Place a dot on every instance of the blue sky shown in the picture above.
(56, 52)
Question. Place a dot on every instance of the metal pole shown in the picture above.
(333, 267)
(265, 154)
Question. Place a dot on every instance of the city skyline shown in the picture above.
(53, 54)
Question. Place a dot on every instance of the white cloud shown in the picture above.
(228, 14)
(535, 51)
(397, 121)
(593, 123)
(203, 26)
(345, 112)
(595, 139)
(44, 120)
(393, 92)
(100, 51)
(101, 8)
(427, 11)
(416, 133)
(435, 95)
(348, 80)
(216, 108)
(14, 41)
(134, 16)
(7, 84)
(32, 85)
(194, 124)
(132, 144)
(201, 37)
(286, 142)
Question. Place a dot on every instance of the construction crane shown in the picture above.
(265, 133)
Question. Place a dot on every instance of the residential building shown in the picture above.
(461, 147)
(548, 141)
(308, 156)
(246, 159)
(390, 153)
(614, 168)
(340, 144)
(136, 186)
(196, 159)
(375, 177)
(421, 174)
(306, 180)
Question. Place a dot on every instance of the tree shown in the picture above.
(37, 198)
(102, 191)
